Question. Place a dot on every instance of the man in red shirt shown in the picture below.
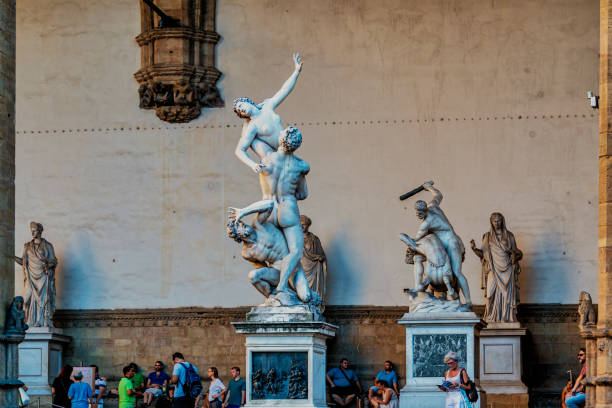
(577, 397)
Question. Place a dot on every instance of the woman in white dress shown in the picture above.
(388, 397)
(455, 388)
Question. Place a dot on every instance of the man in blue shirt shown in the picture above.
(179, 377)
(344, 384)
(388, 374)
(80, 393)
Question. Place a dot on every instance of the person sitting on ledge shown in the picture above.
(389, 375)
(387, 397)
(345, 385)
(577, 397)
(156, 382)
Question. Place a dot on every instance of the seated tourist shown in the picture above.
(99, 388)
(373, 392)
(576, 397)
(387, 397)
(344, 384)
(157, 381)
(388, 374)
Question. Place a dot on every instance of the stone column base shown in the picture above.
(40, 358)
(289, 349)
(9, 361)
(508, 400)
(500, 363)
(429, 336)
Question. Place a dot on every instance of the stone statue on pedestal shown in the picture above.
(437, 253)
(274, 242)
(313, 261)
(39, 264)
(500, 269)
(586, 311)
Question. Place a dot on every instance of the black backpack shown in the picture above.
(472, 392)
(193, 384)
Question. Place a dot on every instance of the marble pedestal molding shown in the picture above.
(40, 358)
(272, 331)
(500, 359)
(429, 336)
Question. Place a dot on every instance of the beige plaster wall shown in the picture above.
(486, 98)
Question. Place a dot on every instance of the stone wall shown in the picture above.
(367, 336)
(488, 99)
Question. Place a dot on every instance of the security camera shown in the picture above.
(593, 99)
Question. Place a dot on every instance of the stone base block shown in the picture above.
(507, 400)
(40, 358)
(429, 336)
(500, 359)
(285, 358)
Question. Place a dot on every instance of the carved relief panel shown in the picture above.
(178, 76)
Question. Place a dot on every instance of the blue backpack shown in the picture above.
(193, 385)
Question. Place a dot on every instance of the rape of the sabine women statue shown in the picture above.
(283, 183)
(500, 269)
(39, 264)
(437, 253)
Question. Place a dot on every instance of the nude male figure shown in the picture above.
(264, 246)
(282, 179)
(434, 221)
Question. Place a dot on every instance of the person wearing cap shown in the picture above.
(80, 393)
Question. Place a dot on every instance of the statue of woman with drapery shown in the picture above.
(313, 260)
(499, 256)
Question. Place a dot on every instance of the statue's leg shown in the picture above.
(261, 148)
(456, 258)
(264, 279)
(418, 272)
(295, 244)
(300, 283)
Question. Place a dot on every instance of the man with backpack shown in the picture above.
(187, 380)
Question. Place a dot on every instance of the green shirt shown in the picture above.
(139, 380)
(125, 400)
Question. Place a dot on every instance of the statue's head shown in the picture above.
(240, 232)
(306, 222)
(245, 107)
(290, 139)
(585, 297)
(421, 209)
(36, 228)
(18, 303)
(497, 221)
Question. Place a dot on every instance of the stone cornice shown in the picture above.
(201, 317)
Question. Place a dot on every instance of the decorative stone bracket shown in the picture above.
(178, 75)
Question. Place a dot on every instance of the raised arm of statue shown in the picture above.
(437, 195)
(18, 260)
(249, 132)
(476, 250)
(289, 84)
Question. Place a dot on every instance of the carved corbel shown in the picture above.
(178, 76)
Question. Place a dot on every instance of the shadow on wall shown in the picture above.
(547, 255)
(344, 268)
(76, 266)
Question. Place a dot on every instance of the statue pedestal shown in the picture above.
(429, 336)
(9, 361)
(40, 358)
(285, 357)
(500, 363)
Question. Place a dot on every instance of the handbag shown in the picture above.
(472, 392)
(24, 399)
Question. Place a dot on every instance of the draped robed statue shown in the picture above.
(38, 262)
(500, 270)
